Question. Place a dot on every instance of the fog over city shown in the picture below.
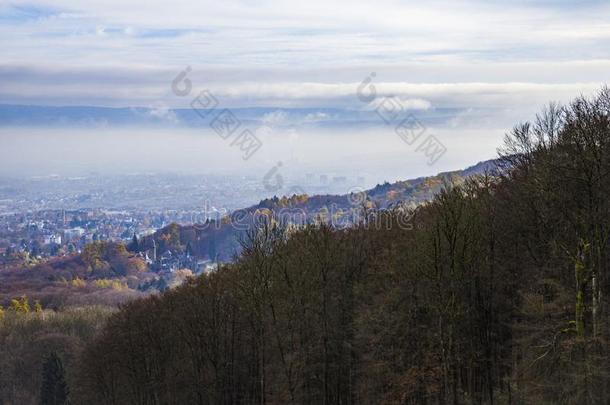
(377, 152)
(351, 96)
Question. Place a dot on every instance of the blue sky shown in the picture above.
(446, 53)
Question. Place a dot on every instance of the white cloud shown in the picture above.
(316, 117)
(144, 86)
(275, 118)
(283, 53)
(306, 33)
(162, 111)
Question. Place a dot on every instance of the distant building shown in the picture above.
(209, 267)
(146, 232)
(49, 239)
(73, 233)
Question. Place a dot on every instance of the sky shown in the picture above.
(509, 57)
(287, 53)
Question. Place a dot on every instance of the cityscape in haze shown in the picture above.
(277, 202)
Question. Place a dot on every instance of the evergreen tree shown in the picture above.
(54, 389)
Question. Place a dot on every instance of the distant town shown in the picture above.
(56, 216)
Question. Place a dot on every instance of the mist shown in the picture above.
(377, 154)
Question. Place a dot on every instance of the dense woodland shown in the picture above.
(103, 273)
(496, 293)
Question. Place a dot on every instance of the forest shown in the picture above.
(497, 293)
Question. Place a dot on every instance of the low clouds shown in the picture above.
(146, 86)
(276, 53)
(468, 70)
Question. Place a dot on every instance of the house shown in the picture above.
(52, 239)
(73, 233)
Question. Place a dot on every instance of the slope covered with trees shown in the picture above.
(103, 273)
(40, 351)
(496, 293)
(220, 239)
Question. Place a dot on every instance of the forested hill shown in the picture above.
(499, 294)
(220, 240)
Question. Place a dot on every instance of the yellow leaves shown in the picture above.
(300, 199)
(21, 305)
(114, 249)
(137, 264)
(78, 283)
(102, 283)
(260, 212)
(93, 253)
(112, 284)
(117, 285)
(429, 182)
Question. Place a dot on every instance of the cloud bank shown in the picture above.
(281, 53)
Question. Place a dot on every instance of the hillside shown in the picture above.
(108, 273)
(497, 294)
(220, 240)
(104, 273)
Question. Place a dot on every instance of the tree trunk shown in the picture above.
(579, 273)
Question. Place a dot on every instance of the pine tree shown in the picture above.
(54, 390)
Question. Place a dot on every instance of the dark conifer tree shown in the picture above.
(54, 390)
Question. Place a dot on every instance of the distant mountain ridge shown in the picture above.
(91, 116)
